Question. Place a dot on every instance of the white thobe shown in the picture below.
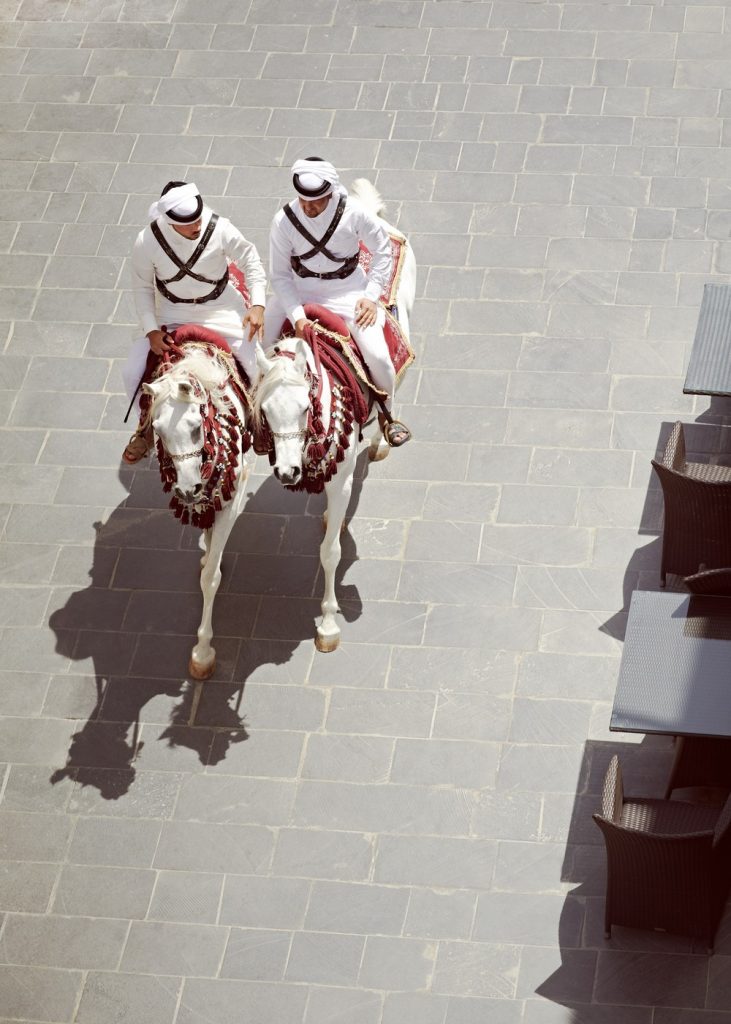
(224, 314)
(291, 292)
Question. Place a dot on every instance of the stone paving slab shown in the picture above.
(399, 831)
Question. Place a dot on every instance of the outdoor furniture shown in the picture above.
(709, 369)
(710, 581)
(668, 865)
(697, 499)
(675, 673)
(701, 762)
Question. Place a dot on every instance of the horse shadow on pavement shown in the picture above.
(136, 622)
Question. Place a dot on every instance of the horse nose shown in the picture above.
(287, 476)
(188, 497)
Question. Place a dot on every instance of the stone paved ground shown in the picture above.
(399, 832)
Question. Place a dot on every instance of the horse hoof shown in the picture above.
(326, 644)
(202, 671)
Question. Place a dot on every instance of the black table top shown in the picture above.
(709, 370)
(675, 674)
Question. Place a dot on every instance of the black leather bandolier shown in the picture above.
(347, 264)
(184, 269)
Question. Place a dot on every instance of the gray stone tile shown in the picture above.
(39, 993)
(380, 712)
(83, 943)
(476, 969)
(373, 808)
(446, 669)
(334, 1004)
(181, 949)
(256, 902)
(192, 897)
(103, 891)
(427, 1008)
(650, 979)
(324, 959)
(397, 963)
(27, 789)
(195, 846)
(461, 763)
(322, 853)
(348, 758)
(141, 998)
(357, 909)
(26, 887)
(234, 799)
(439, 863)
(440, 915)
(122, 842)
(220, 1001)
(256, 955)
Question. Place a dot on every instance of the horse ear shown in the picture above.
(300, 356)
(186, 387)
(149, 389)
(262, 361)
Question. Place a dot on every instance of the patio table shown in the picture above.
(709, 369)
(675, 673)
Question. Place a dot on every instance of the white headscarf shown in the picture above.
(312, 175)
(183, 200)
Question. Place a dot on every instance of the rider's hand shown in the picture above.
(159, 342)
(365, 312)
(300, 326)
(254, 320)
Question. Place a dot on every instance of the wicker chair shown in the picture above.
(701, 761)
(710, 581)
(697, 511)
(668, 862)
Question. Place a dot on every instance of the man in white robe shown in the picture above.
(180, 275)
(313, 257)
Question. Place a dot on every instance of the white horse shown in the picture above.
(284, 400)
(199, 418)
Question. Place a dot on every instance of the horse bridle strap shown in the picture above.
(184, 455)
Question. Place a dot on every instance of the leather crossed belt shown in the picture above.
(347, 263)
(185, 269)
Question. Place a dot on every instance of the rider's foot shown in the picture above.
(138, 445)
(396, 433)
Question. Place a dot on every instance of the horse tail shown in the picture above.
(368, 194)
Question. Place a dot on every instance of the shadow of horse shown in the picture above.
(135, 619)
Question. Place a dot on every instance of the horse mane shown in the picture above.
(210, 370)
(283, 372)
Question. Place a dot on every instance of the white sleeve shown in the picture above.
(280, 268)
(244, 254)
(143, 285)
(375, 236)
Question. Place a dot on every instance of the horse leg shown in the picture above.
(203, 656)
(338, 495)
(205, 546)
(378, 447)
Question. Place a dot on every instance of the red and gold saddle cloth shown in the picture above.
(401, 351)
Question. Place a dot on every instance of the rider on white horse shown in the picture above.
(180, 275)
(313, 258)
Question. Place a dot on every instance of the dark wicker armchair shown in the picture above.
(697, 497)
(710, 581)
(701, 761)
(668, 862)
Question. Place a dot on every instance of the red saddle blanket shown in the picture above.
(398, 344)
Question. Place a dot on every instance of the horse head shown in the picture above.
(283, 400)
(177, 420)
